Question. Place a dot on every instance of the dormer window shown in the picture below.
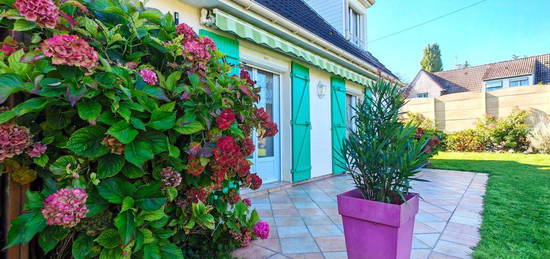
(355, 24)
(519, 82)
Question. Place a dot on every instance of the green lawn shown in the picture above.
(516, 217)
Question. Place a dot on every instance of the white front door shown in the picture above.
(266, 157)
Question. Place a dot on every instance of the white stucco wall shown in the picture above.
(424, 84)
(321, 143)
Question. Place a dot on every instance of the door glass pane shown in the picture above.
(266, 81)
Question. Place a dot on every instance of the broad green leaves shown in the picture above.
(115, 189)
(24, 227)
(123, 132)
(162, 120)
(189, 128)
(109, 165)
(108, 238)
(126, 225)
(30, 105)
(88, 109)
(138, 152)
(87, 142)
(82, 246)
(10, 84)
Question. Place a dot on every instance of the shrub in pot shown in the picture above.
(382, 155)
(130, 130)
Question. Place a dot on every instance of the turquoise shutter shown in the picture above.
(228, 46)
(301, 125)
(338, 121)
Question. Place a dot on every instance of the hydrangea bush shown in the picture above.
(130, 129)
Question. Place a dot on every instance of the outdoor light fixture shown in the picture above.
(176, 17)
(321, 89)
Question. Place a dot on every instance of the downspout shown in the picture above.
(276, 18)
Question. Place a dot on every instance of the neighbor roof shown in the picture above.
(472, 78)
(298, 12)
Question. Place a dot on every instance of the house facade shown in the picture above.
(526, 71)
(308, 72)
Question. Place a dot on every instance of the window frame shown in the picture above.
(491, 85)
(520, 79)
(422, 95)
(354, 16)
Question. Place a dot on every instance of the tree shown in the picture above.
(431, 61)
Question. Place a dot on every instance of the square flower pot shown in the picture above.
(375, 229)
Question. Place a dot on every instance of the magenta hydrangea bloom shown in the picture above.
(37, 150)
(186, 31)
(43, 12)
(197, 50)
(70, 50)
(261, 229)
(65, 208)
(170, 177)
(148, 76)
(14, 139)
(247, 202)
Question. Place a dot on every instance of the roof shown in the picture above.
(300, 13)
(472, 78)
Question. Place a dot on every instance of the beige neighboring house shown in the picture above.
(489, 77)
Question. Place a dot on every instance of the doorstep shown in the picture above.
(277, 186)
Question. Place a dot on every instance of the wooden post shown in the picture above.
(13, 200)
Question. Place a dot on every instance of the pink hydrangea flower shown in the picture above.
(7, 49)
(65, 208)
(170, 177)
(186, 31)
(70, 50)
(261, 229)
(247, 202)
(37, 150)
(43, 12)
(197, 50)
(148, 76)
(14, 139)
(207, 43)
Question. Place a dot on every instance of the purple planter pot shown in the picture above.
(375, 229)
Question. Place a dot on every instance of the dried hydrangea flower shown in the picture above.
(70, 50)
(23, 175)
(115, 146)
(43, 12)
(14, 139)
(170, 177)
(66, 207)
(256, 182)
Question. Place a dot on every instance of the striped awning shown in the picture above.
(229, 23)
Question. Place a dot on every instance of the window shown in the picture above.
(355, 26)
(351, 102)
(422, 95)
(493, 85)
(519, 82)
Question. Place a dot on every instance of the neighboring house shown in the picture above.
(308, 72)
(511, 73)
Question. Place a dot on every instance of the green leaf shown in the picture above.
(157, 140)
(30, 105)
(123, 132)
(169, 107)
(151, 203)
(173, 151)
(137, 123)
(149, 197)
(138, 152)
(10, 84)
(88, 109)
(126, 226)
(24, 227)
(49, 238)
(132, 171)
(162, 120)
(34, 201)
(115, 189)
(110, 165)
(171, 251)
(172, 80)
(23, 25)
(82, 246)
(152, 215)
(151, 251)
(112, 253)
(87, 142)
(127, 204)
(42, 160)
(59, 167)
(189, 128)
(108, 238)
(195, 80)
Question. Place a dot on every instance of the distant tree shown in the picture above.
(466, 64)
(431, 61)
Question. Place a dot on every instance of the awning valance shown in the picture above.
(229, 23)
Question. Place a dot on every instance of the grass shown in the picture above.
(516, 216)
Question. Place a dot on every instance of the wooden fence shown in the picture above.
(454, 112)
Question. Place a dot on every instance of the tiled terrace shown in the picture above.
(305, 222)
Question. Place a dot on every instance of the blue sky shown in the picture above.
(489, 32)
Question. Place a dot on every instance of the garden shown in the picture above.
(131, 131)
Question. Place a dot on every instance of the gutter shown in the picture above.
(299, 31)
